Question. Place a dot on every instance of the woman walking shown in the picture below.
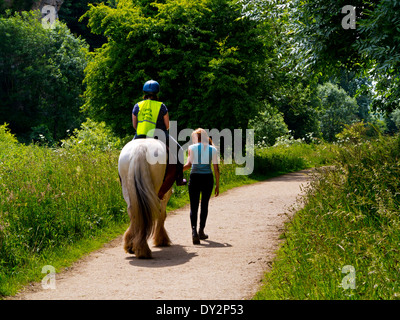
(201, 154)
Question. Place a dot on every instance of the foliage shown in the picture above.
(15, 5)
(50, 198)
(289, 92)
(395, 116)
(41, 75)
(319, 40)
(71, 11)
(290, 156)
(206, 56)
(336, 109)
(92, 136)
(6, 137)
(268, 126)
(350, 218)
(294, 100)
(321, 44)
(358, 132)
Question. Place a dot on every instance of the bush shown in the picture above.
(268, 126)
(6, 137)
(92, 136)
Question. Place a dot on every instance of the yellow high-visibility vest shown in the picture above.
(147, 117)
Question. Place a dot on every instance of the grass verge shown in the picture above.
(344, 243)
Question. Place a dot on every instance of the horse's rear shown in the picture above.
(141, 168)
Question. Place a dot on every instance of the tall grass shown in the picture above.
(286, 158)
(350, 222)
(51, 198)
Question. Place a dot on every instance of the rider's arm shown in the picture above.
(166, 120)
(134, 121)
(135, 113)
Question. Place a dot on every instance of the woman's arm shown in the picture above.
(188, 163)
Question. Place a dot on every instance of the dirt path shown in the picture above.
(243, 225)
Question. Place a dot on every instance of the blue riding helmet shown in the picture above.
(151, 86)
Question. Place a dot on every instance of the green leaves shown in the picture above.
(336, 109)
(41, 75)
(323, 45)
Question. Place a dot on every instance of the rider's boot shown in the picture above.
(180, 181)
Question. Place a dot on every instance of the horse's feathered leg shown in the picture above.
(161, 238)
(143, 200)
(128, 240)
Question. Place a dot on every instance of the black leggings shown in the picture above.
(200, 183)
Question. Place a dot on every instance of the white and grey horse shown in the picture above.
(141, 167)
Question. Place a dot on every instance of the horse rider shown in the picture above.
(150, 114)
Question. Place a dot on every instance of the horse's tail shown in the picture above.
(142, 196)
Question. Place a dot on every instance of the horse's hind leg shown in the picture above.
(161, 238)
(135, 240)
(128, 237)
(142, 250)
(135, 243)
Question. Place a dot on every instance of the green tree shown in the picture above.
(70, 13)
(371, 49)
(268, 126)
(289, 91)
(41, 73)
(337, 109)
(207, 57)
(294, 100)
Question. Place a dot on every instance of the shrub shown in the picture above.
(6, 137)
(92, 136)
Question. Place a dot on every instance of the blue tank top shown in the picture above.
(202, 158)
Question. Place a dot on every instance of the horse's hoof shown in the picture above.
(143, 254)
(162, 243)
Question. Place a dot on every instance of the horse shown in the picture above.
(142, 167)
